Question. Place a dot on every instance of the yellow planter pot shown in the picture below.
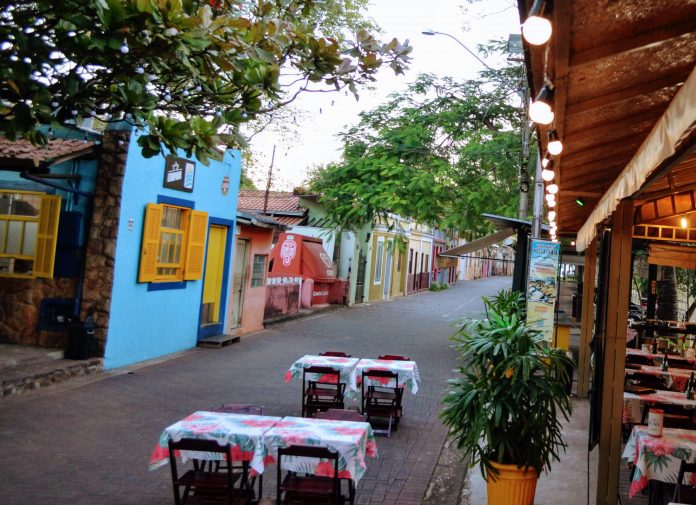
(514, 486)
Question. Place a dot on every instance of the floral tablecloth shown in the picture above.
(675, 378)
(244, 432)
(633, 403)
(406, 370)
(658, 458)
(352, 440)
(344, 365)
(657, 358)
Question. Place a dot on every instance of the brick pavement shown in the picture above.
(89, 443)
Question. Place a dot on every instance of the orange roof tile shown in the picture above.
(22, 153)
(277, 201)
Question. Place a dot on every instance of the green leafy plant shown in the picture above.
(504, 406)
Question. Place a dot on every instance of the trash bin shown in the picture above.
(80, 339)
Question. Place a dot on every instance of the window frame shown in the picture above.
(379, 260)
(252, 277)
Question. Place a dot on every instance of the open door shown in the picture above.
(214, 283)
(239, 274)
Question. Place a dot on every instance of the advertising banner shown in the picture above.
(542, 285)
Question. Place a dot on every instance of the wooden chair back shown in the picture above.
(341, 415)
(309, 489)
(684, 492)
(240, 408)
(394, 357)
(336, 354)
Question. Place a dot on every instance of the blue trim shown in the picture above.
(163, 286)
(217, 329)
(179, 202)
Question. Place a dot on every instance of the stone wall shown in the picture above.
(20, 300)
(101, 244)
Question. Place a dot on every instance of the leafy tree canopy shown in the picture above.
(441, 152)
(190, 71)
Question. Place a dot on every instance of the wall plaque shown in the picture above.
(179, 174)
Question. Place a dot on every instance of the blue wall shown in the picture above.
(148, 324)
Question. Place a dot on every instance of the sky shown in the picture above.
(323, 115)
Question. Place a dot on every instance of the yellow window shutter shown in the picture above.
(195, 248)
(47, 236)
(150, 247)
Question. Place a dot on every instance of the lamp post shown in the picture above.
(433, 32)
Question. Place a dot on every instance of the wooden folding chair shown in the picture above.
(381, 401)
(394, 357)
(204, 487)
(308, 489)
(337, 354)
(325, 392)
(684, 492)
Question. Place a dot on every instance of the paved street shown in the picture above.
(90, 443)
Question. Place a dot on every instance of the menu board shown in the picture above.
(542, 285)
(179, 174)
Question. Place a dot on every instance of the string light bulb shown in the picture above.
(684, 223)
(552, 189)
(552, 215)
(551, 203)
(540, 110)
(545, 160)
(536, 29)
(548, 175)
(555, 145)
(550, 198)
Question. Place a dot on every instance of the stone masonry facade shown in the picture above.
(101, 244)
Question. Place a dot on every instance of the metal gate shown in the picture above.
(360, 279)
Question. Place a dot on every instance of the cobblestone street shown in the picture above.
(89, 442)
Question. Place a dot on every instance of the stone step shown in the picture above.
(27, 377)
(16, 355)
(218, 341)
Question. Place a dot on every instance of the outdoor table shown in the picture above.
(245, 433)
(344, 365)
(677, 377)
(658, 458)
(659, 357)
(352, 440)
(633, 403)
(406, 370)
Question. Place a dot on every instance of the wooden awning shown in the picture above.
(616, 68)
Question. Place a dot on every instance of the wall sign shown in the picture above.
(179, 174)
(542, 287)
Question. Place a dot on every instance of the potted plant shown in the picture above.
(503, 409)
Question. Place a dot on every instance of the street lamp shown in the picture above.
(433, 32)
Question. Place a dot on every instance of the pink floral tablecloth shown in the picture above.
(344, 365)
(659, 458)
(633, 403)
(658, 357)
(244, 432)
(676, 378)
(406, 370)
(352, 440)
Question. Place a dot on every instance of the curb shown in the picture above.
(267, 323)
(448, 479)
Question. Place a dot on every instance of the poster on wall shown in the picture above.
(179, 174)
(542, 285)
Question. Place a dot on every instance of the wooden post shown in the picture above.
(618, 291)
(587, 318)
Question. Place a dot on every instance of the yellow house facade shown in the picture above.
(387, 262)
(420, 257)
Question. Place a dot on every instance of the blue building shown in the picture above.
(141, 246)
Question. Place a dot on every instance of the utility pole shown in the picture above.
(268, 182)
(538, 208)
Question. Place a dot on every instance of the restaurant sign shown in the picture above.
(179, 174)
(542, 286)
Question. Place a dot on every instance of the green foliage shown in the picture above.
(504, 407)
(190, 71)
(438, 286)
(442, 152)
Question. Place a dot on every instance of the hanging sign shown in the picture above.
(179, 174)
(542, 286)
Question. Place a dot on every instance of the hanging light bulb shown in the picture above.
(547, 174)
(552, 215)
(552, 189)
(540, 110)
(550, 198)
(551, 203)
(555, 145)
(536, 29)
(545, 160)
(684, 223)
(572, 242)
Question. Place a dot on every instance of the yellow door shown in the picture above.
(214, 267)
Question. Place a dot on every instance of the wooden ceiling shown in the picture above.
(615, 65)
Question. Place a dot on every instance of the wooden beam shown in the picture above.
(651, 115)
(661, 233)
(678, 76)
(665, 192)
(637, 41)
(652, 207)
(562, 14)
(573, 194)
(599, 152)
(587, 319)
(618, 291)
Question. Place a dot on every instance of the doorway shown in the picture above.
(388, 270)
(239, 274)
(214, 282)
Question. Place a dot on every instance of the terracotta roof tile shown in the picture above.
(24, 152)
(277, 201)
